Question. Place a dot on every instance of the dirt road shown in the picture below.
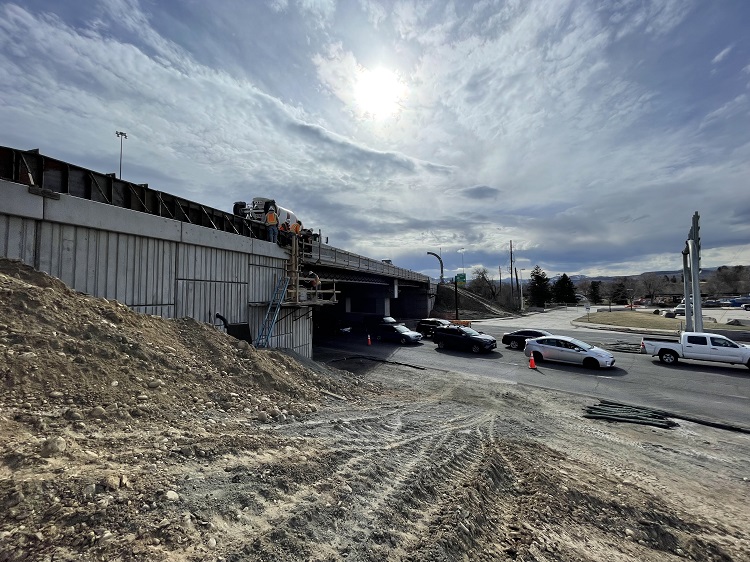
(127, 437)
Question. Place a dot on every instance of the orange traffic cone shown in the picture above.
(369, 342)
(532, 363)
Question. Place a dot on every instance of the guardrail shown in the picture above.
(330, 255)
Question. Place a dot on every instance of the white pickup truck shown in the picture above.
(697, 345)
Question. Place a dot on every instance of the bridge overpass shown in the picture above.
(165, 255)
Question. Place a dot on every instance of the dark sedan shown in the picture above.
(427, 325)
(517, 339)
(461, 337)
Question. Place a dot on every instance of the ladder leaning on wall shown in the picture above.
(272, 314)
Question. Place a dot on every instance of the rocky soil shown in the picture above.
(129, 437)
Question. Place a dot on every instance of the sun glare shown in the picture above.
(379, 93)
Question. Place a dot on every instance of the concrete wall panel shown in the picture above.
(203, 236)
(82, 212)
(18, 238)
(17, 201)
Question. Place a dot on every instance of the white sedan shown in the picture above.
(568, 350)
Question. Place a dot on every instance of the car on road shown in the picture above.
(463, 337)
(427, 325)
(397, 333)
(746, 306)
(705, 346)
(568, 350)
(711, 303)
(517, 339)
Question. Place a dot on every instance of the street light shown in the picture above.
(522, 270)
(461, 251)
(122, 136)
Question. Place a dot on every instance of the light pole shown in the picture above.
(441, 265)
(463, 269)
(522, 270)
(122, 136)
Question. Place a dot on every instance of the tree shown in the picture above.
(731, 279)
(563, 290)
(583, 287)
(483, 284)
(619, 294)
(538, 287)
(651, 283)
(595, 292)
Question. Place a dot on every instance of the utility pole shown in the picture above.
(122, 136)
(511, 272)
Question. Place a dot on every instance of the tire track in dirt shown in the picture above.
(378, 479)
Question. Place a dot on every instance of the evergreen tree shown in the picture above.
(595, 292)
(538, 287)
(563, 289)
(619, 292)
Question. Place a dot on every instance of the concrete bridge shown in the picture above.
(164, 255)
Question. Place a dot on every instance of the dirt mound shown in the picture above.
(94, 394)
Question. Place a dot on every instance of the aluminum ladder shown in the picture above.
(272, 314)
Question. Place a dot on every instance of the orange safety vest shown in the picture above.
(296, 228)
(272, 219)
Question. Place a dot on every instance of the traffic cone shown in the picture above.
(532, 363)
(369, 342)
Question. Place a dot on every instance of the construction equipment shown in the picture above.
(272, 314)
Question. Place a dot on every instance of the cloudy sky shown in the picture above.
(587, 132)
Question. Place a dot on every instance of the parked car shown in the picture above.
(740, 301)
(427, 325)
(462, 337)
(679, 310)
(568, 350)
(398, 333)
(710, 303)
(371, 323)
(517, 339)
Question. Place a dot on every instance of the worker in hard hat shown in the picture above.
(272, 225)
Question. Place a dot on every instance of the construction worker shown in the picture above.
(285, 236)
(313, 281)
(272, 225)
(296, 228)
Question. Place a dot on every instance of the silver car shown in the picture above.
(568, 350)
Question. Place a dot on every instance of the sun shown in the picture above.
(379, 93)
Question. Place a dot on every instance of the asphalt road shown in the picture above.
(696, 390)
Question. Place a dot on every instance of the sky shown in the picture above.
(585, 133)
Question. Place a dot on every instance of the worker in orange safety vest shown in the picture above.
(272, 225)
